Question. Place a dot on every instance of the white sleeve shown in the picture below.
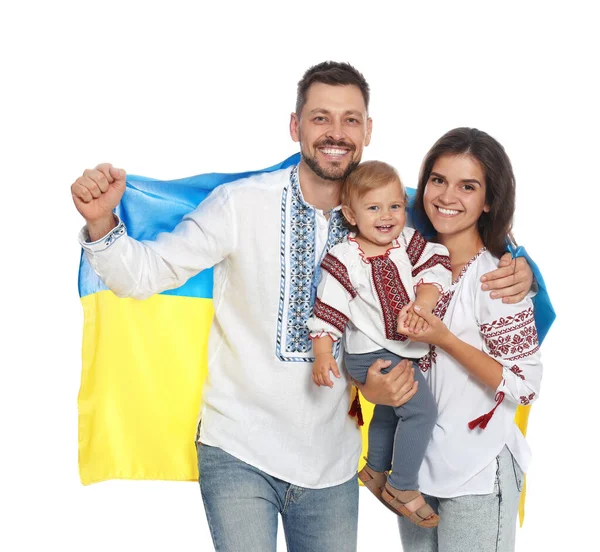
(332, 310)
(430, 262)
(131, 268)
(510, 337)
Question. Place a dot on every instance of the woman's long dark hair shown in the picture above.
(496, 226)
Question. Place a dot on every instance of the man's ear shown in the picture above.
(369, 130)
(295, 127)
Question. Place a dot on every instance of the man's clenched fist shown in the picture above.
(95, 194)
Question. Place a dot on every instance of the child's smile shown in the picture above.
(380, 217)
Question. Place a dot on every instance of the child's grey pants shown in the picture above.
(398, 436)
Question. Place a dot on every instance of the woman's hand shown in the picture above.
(436, 332)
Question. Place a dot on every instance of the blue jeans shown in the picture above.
(473, 523)
(242, 505)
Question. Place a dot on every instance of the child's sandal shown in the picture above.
(375, 481)
(423, 517)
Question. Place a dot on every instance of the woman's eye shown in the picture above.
(437, 180)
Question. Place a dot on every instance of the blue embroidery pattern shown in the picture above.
(300, 271)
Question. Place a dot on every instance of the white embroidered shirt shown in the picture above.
(266, 244)
(360, 297)
(474, 421)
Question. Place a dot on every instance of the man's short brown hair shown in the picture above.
(332, 73)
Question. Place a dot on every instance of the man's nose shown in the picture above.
(336, 130)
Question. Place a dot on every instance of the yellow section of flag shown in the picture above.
(141, 386)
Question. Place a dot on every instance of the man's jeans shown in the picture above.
(242, 504)
(472, 523)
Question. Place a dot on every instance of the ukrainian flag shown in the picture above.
(144, 362)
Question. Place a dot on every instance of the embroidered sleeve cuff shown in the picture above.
(104, 242)
(322, 333)
(422, 282)
(515, 389)
(503, 388)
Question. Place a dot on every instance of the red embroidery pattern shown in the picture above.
(391, 292)
(516, 370)
(511, 337)
(443, 260)
(415, 248)
(428, 360)
(335, 267)
(521, 318)
(469, 263)
(313, 335)
(364, 258)
(526, 354)
(330, 315)
(442, 305)
(526, 400)
(440, 309)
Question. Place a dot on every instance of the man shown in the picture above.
(270, 442)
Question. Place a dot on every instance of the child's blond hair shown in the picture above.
(369, 176)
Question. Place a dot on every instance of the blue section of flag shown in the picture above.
(151, 206)
(543, 310)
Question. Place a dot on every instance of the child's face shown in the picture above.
(379, 215)
(454, 197)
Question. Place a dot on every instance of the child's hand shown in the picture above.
(325, 363)
(436, 332)
(413, 322)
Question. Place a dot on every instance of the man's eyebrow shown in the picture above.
(327, 111)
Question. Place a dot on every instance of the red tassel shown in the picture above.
(356, 410)
(482, 421)
(359, 414)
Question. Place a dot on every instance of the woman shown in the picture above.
(484, 357)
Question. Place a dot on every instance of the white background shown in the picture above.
(171, 89)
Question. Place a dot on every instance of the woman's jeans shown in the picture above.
(472, 523)
(242, 505)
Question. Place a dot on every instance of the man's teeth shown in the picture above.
(448, 211)
(333, 151)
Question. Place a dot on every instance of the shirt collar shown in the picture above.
(297, 192)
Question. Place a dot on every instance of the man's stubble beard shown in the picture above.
(333, 174)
